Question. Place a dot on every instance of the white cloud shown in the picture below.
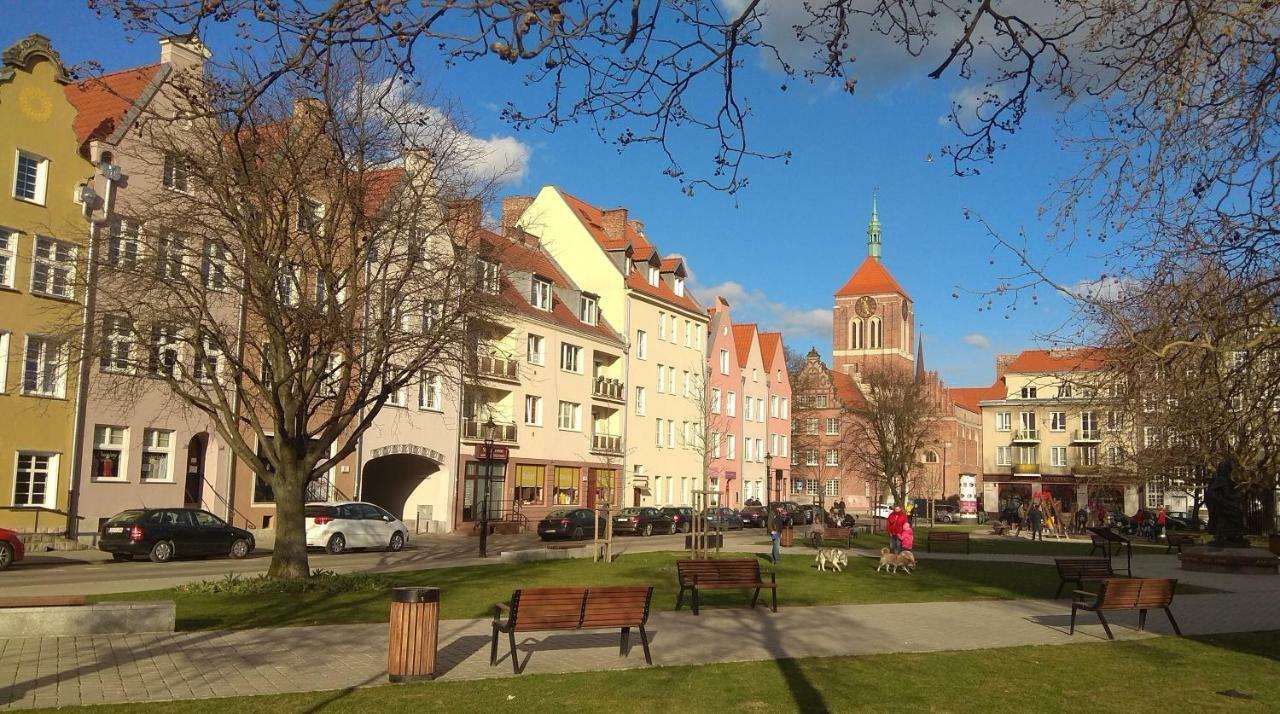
(1104, 289)
(801, 327)
(503, 157)
(982, 342)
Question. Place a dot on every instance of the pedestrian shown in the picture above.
(1036, 517)
(1082, 518)
(908, 536)
(1102, 515)
(775, 534)
(893, 525)
(1162, 519)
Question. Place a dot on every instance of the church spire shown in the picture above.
(873, 230)
(920, 359)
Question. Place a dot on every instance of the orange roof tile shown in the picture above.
(968, 397)
(379, 186)
(670, 264)
(871, 278)
(770, 347)
(743, 336)
(102, 102)
(593, 219)
(1067, 360)
(846, 391)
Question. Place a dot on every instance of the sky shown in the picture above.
(780, 248)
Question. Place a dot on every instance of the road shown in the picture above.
(91, 572)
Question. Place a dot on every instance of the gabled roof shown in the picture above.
(846, 390)
(102, 102)
(673, 265)
(593, 219)
(379, 186)
(968, 397)
(1067, 360)
(743, 336)
(770, 347)
(871, 278)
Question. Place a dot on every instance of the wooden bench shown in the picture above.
(546, 609)
(947, 537)
(738, 574)
(44, 601)
(1180, 540)
(817, 539)
(1078, 570)
(1139, 594)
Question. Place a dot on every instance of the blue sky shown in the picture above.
(781, 247)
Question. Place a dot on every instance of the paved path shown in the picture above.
(115, 669)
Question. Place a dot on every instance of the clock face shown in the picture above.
(865, 307)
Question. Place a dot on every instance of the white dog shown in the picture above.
(892, 562)
(834, 557)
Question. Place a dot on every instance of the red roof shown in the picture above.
(102, 102)
(1067, 360)
(743, 336)
(379, 187)
(871, 278)
(846, 391)
(968, 397)
(770, 347)
(593, 219)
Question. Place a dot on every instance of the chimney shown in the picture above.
(615, 223)
(512, 208)
(1003, 361)
(465, 213)
(638, 227)
(183, 52)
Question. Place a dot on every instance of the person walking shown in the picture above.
(1036, 517)
(1162, 520)
(775, 534)
(893, 525)
(1082, 519)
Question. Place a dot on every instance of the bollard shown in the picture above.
(414, 634)
(787, 536)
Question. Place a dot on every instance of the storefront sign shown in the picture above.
(499, 453)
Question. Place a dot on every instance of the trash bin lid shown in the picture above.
(415, 594)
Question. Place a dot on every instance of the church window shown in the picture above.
(855, 334)
(876, 335)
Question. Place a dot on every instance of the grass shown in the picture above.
(1181, 674)
(470, 592)
(1004, 545)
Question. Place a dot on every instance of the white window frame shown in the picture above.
(105, 439)
(118, 338)
(56, 265)
(687, 385)
(569, 416)
(832, 457)
(671, 433)
(589, 311)
(715, 400)
(59, 366)
(8, 255)
(431, 392)
(679, 286)
(724, 361)
(399, 397)
(731, 404)
(1029, 392)
(289, 284)
(832, 426)
(654, 276)
(171, 256)
(176, 175)
(40, 184)
(490, 277)
(213, 267)
(642, 344)
(641, 407)
(1057, 456)
(662, 379)
(1003, 456)
(540, 293)
(124, 243)
(50, 479)
(4, 360)
(1057, 421)
(164, 338)
(659, 441)
(150, 445)
(833, 487)
(310, 221)
(748, 412)
(731, 445)
(1004, 421)
(207, 355)
(532, 410)
(536, 349)
(570, 358)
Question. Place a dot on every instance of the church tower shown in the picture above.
(873, 318)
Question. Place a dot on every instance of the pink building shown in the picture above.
(724, 380)
(779, 419)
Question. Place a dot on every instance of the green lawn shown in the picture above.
(471, 591)
(1003, 544)
(1159, 674)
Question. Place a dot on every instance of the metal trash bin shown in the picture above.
(414, 634)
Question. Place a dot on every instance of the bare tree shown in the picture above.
(310, 258)
(891, 426)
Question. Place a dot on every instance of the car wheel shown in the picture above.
(6, 555)
(240, 548)
(397, 542)
(578, 533)
(674, 529)
(648, 530)
(337, 543)
(121, 557)
(161, 552)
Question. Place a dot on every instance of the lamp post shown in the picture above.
(489, 426)
(768, 471)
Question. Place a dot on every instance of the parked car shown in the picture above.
(1182, 521)
(340, 526)
(724, 519)
(942, 513)
(682, 515)
(11, 548)
(812, 513)
(752, 516)
(573, 523)
(165, 533)
(882, 510)
(791, 509)
(643, 521)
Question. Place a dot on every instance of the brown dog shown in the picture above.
(892, 562)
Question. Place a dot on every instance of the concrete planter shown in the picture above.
(100, 618)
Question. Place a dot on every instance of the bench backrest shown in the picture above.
(945, 535)
(836, 533)
(743, 570)
(43, 601)
(547, 608)
(1084, 568)
(617, 606)
(1136, 593)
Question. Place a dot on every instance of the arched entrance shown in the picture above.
(402, 477)
(193, 488)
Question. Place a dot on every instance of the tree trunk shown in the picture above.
(289, 558)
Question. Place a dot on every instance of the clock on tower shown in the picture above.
(865, 306)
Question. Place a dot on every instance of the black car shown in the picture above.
(682, 515)
(752, 516)
(574, 523)
(724, 519)
(643, 521)
(164, 533)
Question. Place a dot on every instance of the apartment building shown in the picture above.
(778, 449)
(753, 385)
(44, 232)
(545, 382)
(645, 296)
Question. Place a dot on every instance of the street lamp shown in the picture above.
(768, 471)
(489, 427)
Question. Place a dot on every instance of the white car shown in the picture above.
(343, 525)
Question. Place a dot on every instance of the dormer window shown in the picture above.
(589, 311)
(540, 295)
(489, 277)
(1029, 392)
(653, 276)
(679, 286)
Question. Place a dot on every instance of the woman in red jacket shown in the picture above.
(893, 524)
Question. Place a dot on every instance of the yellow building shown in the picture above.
(43, 246)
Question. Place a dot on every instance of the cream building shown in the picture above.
(753, 394)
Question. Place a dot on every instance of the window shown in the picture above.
(570, 416)
(731, 405)
(108, 453)
(875, 327)
(811, 456)
(662, 325)
(640, 401)
(8, 253)
(170, 257)
(1065, 390)
(529, 483)
(1028, 455)
(540, 297)
(177, 174)
(785, 411)
(287, 283)
(589, 310)
(833, 426)
(1088, 455)
(1027, 423)
(679, 287)
(1028, 392)
(29, 177)
(715, 401)
(164, 351)
(833, 487)
(1150, 436)
(660, 429)
(833, 457)
(724, 361)
(685, 440)
(748, 452)
(490, 277)
(688, 386)
(44, 368)
(642, 344)
(797, 485)
(1002, 456)
(430, 392)
(537, 350)
(4, 361)
(1088, 425)
(731, 444)
(1058, 456)
(533, 410)
(117, 344)
(36, 482)
(653, 276)
(1057, 421)
(1155, 495)
(54, 268)
(688, 333)
(811, 425)
(396, 396)
(213, 267)
(1115, 421)
(855, 334)
(715, 445)
(209, 361)
(662, 379)
(157, 455)
(1115, 455)
(310, 216)
(570, 357)
(565, 489)
(820, 401)
(122, 243)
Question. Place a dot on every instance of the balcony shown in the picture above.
(606, 444)
(474, 430)
(1027, 469)
(1086, 470)
(1026, 436)
(490, 367)
(608, 388)
(1086, 436)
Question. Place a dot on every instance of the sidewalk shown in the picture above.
(116, 669)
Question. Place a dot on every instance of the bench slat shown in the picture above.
(43, 601)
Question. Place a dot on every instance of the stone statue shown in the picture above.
(1226, 515)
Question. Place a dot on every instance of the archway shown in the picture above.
(403, 477)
